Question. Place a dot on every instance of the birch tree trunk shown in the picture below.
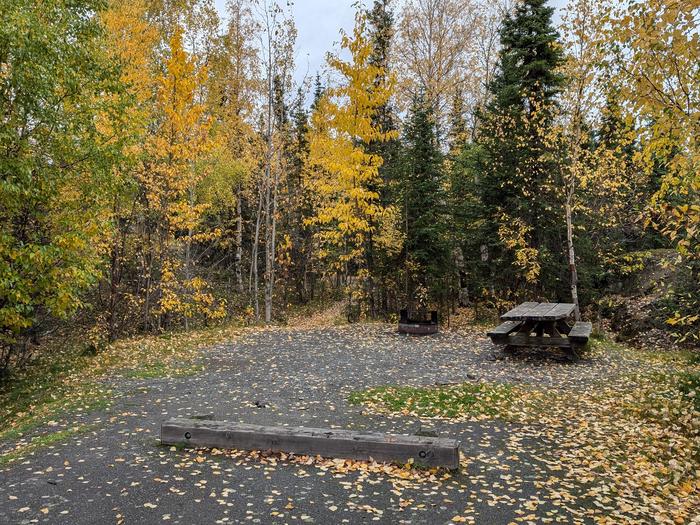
(277, 42)
(269, 241)
(188, 251)
(572, 258)
(268, 246)
(238, 256)
(253, 281)
(270, 251)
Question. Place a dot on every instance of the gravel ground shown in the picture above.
(117, 473)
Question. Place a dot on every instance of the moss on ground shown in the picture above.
(450, 401)
(44, 440)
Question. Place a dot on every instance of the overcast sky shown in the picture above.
(319, 23)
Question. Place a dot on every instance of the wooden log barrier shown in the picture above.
(425, 451)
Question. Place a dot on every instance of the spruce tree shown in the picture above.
(468, 230)
(299, 206)
(457, 135)
(424, 205)
(319, 91)
(380, 19)
(518, 187)
(381, 24)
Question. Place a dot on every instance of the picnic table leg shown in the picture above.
(573, 353)
(551, 329)
(563, 327)
(526, 328)
(539, 329)
(558, 329)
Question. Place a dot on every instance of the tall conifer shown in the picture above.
(424, 201)
(518, 185)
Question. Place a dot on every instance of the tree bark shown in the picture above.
(572, 259)
(188, 253)
(253, 281)
(238, 256)
(271, 253)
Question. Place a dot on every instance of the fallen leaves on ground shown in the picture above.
(630, 445)
(48, 392)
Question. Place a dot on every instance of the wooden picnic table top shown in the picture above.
(539, 312)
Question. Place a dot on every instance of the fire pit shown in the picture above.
(414, 327)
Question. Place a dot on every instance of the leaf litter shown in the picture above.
(608, 440)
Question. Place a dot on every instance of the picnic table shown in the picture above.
(542, 325)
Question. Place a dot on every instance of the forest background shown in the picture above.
(163, 168)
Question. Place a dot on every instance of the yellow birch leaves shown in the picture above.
(660, 77)
(171, 179)
(343, 175)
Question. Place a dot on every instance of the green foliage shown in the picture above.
(517, 183)
(422, 200)
(679, 311)
(470, 218)
(136, 186)
(55, 93)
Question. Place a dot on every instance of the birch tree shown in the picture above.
(277, 38)
(657, 43)
(580, 99)
(343, 173)
(435, 51)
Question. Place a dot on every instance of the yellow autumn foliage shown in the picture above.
(342, 173)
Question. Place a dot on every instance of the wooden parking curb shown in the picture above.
(347, 444)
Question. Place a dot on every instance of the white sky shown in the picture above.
(319, 23)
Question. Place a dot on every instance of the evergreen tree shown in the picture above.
(424, 199)
(518, 187)
(381, 28)
(319, 90)
(468, 229)
(299, 205)
(343, 173)
(457, 136)
(381, 266)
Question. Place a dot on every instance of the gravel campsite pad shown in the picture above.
(540, 467)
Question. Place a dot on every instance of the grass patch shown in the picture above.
(54, 410)
(159, 370)
(42, 441)
(65, 379)
(453, 401)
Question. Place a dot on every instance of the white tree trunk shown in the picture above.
(238, 256)
(253, 281)
(572, 259)
(269, 214)
(269, 248)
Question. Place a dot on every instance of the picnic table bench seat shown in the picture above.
(504, 329)
(581, 332)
